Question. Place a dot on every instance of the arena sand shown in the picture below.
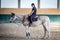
(16, 31)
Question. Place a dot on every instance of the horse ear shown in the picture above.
(12, 13)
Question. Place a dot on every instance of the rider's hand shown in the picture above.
(28, 14)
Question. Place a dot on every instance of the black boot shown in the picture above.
(30, 24)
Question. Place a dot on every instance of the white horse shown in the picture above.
(44, 20)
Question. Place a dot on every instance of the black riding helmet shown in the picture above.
(32, 4)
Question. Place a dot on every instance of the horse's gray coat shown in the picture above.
(44, 20)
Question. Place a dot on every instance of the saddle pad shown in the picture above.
(34, 19)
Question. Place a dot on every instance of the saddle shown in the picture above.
(35, 19)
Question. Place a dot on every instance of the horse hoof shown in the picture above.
(28, 34)
(42, 38)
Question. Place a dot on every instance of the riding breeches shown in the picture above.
(30, 18)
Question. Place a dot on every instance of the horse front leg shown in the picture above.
(27, 33)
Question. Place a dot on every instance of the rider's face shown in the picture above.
(32, 6)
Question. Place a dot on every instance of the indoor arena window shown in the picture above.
(48, 3)
(9, 3)
(27, 3)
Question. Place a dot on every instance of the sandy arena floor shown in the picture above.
(17, 32)
(54, 36)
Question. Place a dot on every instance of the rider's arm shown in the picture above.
(31, 12)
